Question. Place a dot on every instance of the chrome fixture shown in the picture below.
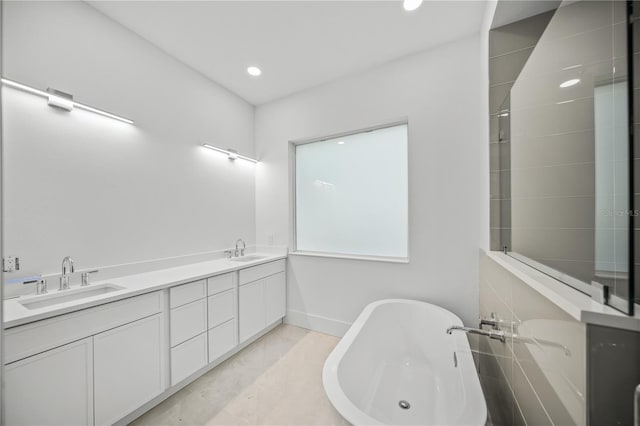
(240, 251)
(492, 321)
(41, 286)
(67, 267)
(232, 154)
(404, 404)
(228, 254)
(492, 334)
(58, 99)
(84, 277)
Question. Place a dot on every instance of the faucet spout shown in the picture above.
(492, 334)
(67, 267)
(240, 251)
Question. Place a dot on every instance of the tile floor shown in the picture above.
(277, 380)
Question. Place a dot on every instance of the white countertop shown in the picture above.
(580, 306)
(15, 314)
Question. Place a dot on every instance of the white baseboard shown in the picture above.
(317, 323)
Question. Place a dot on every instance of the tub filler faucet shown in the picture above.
(492, 334)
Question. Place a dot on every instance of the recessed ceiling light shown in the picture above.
(410, 5)
(570, 83)
(341, 143)
(254, 71)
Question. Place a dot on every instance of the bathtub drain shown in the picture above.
(404, 404)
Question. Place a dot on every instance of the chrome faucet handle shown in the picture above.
(492, 321)
(242, 252)
(41, 286)
(228, 254)
(84, 277)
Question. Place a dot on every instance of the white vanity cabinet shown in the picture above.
(262, 297)
(104, 364)
(92, 366)
(128, 363)
(52, 388)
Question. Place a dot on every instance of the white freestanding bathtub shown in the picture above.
(396, 365)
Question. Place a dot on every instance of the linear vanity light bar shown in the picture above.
(62, 100)
(231, 153)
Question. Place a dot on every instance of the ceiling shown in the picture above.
(297, 44)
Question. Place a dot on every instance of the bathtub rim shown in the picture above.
(330, 381)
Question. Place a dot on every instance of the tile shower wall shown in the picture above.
(509, 49)
(539, 375)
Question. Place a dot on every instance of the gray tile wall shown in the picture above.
(539, 376)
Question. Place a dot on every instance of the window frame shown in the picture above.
(293, 239)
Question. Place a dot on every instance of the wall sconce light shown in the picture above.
(232, 154)
(58, 99)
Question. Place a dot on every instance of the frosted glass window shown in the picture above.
(352, 194)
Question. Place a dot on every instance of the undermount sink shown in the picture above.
(56, 297)
(248, 258)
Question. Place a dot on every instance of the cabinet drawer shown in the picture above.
(29, 339)
(188, 321)
(256, 272)
(188, 357)
(221, 307)
(220, 283)
(185, 293)
(222, 339)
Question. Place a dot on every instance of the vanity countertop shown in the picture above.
(133, 285)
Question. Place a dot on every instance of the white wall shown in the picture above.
(443, 94)
(102, 191)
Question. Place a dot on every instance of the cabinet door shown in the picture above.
(51, 388)
(275, 297)
(129, 368)
(252, 312)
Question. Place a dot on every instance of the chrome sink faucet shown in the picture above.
(240, 252)
(492, 334)
(67, 267)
